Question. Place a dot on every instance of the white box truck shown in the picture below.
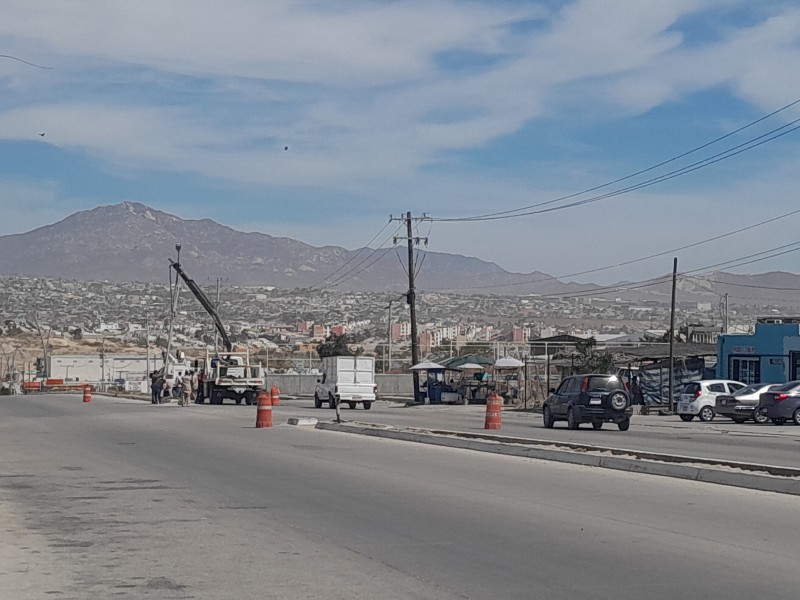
(348, 379)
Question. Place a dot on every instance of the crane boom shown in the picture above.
(203, 299)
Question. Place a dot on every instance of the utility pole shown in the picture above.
(672, 334)
(411, 296)
(388, 366)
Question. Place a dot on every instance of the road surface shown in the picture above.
(119, 498)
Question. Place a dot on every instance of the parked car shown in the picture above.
(590, 398)
(740, 406)
(781, 404)
(698, 397)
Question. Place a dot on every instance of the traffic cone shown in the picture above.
(494, 408)
(275, 394)
(264, 411)
(87, 393)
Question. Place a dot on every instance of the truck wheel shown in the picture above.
(706, 414)
(624, 425)
(239, 400)
(687, 417)
(216, 397)
(331, 401)
(317, 401)
(367, 405)
(572, 421)
(597, 424)
(250, 398)
(352, 405)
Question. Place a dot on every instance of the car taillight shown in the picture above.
(697, 393)
(585, 384)
(779, 397)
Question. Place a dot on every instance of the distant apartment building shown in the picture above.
(338, 330)
(400, 330)
(425, 342)
(318, 331)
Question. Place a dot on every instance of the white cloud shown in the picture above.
(354, 89)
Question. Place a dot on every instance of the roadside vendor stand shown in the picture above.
(508, 378)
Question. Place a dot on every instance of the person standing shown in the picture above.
(155, 388)
(195, 383)
(186, 388)
(201, 386)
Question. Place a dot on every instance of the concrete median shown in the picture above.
(751, 476)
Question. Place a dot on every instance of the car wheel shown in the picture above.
(796, 416)
(317, 401)
(624, 425)
(597, 424)
(687, 417)
(759, 418)
(352, 405)
(332, 401)
(367, 405)
(572, 420)
(547, 417)
(738, 420)
(706, 414)
(778, 421)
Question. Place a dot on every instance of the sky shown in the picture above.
(319, 120)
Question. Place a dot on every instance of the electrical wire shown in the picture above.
(640, 259)
(701, 164)
(353, 257)
(25, 61)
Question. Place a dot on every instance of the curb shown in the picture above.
(650, 466)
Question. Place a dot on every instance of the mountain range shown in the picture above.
(130, 241)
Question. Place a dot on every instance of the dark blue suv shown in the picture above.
(590, 398)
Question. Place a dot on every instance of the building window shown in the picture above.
(746, 370)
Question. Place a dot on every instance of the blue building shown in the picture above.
(770, 355)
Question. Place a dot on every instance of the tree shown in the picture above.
(590, 360)
(336, 345)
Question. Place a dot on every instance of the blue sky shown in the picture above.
(449, 108)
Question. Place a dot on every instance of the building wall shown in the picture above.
(92, 368)
(772, 346)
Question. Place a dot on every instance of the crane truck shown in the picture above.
(229, 373)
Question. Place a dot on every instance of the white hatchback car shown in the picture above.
(699, 397)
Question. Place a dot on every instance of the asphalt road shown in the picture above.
(118, 498)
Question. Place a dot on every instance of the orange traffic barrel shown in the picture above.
(87, 393)
(275, 395)
(264, 411)
(494, 411)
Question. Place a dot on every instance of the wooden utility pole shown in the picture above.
(411, 295)
(672, 334)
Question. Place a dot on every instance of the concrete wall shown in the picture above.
(303, 385)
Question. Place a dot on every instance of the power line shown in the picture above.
(701, 164)
(641, 259)
(25, 61)
(743, 285)
(353, 257)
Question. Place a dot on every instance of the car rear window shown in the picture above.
(788, 387)
(604, 383)
(691, 388)
(748, 389)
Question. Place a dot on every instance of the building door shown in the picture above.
(794, 366)
(745, 369)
